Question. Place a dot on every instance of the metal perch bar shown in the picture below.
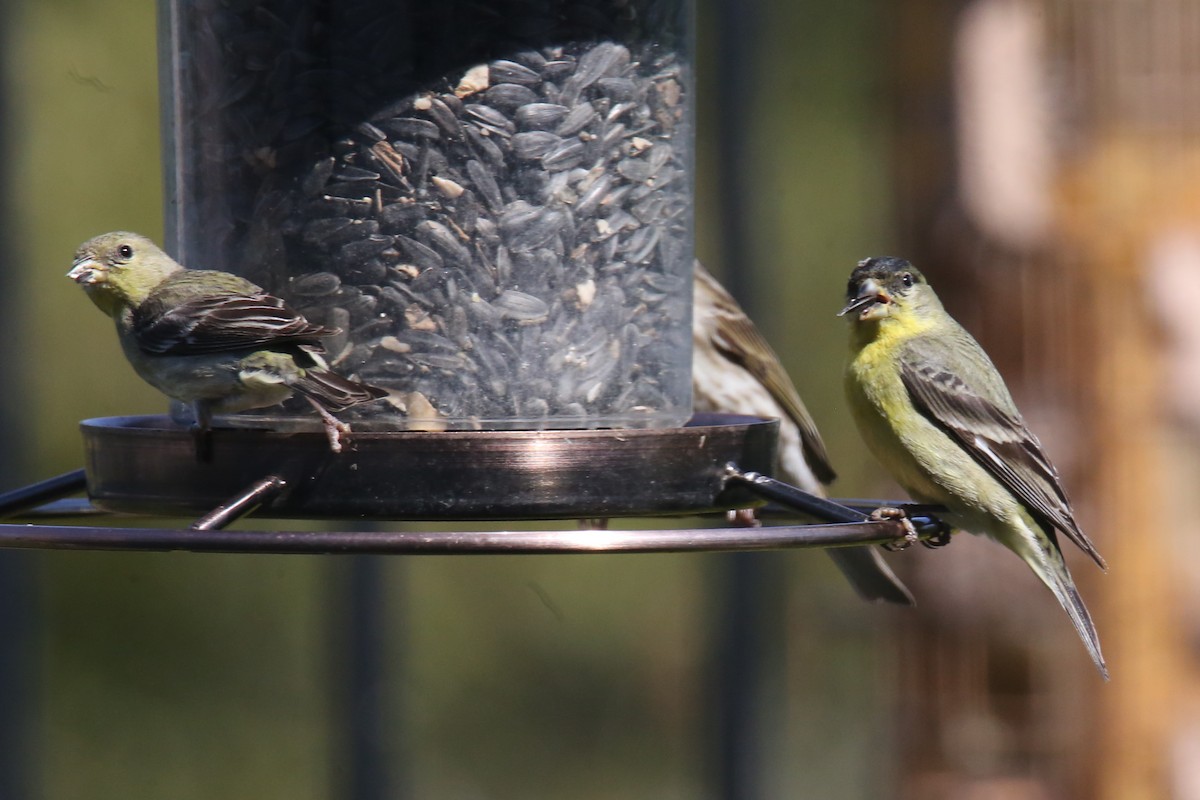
(67, 537)
(923, 517)
(42, 492)
(785, 493)
(245, 503)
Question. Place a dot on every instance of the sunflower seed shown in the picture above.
(485, 183)
(539, 116)
(512, 72)
(396, 216)
(485, 148)
(364, 249)
(444, 118)
(520, 306)
(422, 255)
(534, 144)
(566, 155)
(411, 128)
(577, 119)
(440, 238)
(508, 96)
(489, 119)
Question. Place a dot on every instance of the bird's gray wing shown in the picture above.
(220, 323)
(991, 430)
(739, 341)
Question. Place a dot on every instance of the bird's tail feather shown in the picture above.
(1052, 570)
(870, 575)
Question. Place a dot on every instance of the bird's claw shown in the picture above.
(334, 434)
(334, 427)
(743, 518)
(910, 530)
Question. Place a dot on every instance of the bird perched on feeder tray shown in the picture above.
(933, 409)
(734, 370)
(209, 338)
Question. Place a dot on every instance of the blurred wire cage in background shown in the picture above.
(1126, 65)
(1067, 228)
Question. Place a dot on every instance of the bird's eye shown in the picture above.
(907, 280)
(125, 251)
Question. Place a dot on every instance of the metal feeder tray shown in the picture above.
(149, 465)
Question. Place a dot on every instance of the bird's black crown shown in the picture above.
(888, 271)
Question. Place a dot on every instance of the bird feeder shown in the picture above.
(491, 202)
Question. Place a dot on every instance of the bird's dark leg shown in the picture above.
(334, 427)
(202, 430)
(939, 539)
(910, 530)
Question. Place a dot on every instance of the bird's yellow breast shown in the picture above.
(898, 435)
(875, 398)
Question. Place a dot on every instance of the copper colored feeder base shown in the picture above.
(150, 465)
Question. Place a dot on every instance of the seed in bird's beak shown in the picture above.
(869, 293)
(857, 303)
(86, 272)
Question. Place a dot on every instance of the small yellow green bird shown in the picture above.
(933, 409)
(209, 338)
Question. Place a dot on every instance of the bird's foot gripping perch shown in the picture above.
(912, 517)
(334, 427)
(910, 530)
(743, 518)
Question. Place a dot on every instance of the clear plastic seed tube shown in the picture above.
(492, 201)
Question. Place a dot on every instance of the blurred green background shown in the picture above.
(188, 676)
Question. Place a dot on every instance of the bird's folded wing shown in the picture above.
(740, 342)
(221, 323)
(992, 431)
(335, 393)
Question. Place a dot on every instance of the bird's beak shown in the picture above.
(871, 303)
(87, 271)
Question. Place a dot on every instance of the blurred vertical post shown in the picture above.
(363, 758)
(749, 610)
(747, 631)
(17, 588)
(734, 89)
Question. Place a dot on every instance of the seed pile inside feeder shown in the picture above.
(505, 246)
